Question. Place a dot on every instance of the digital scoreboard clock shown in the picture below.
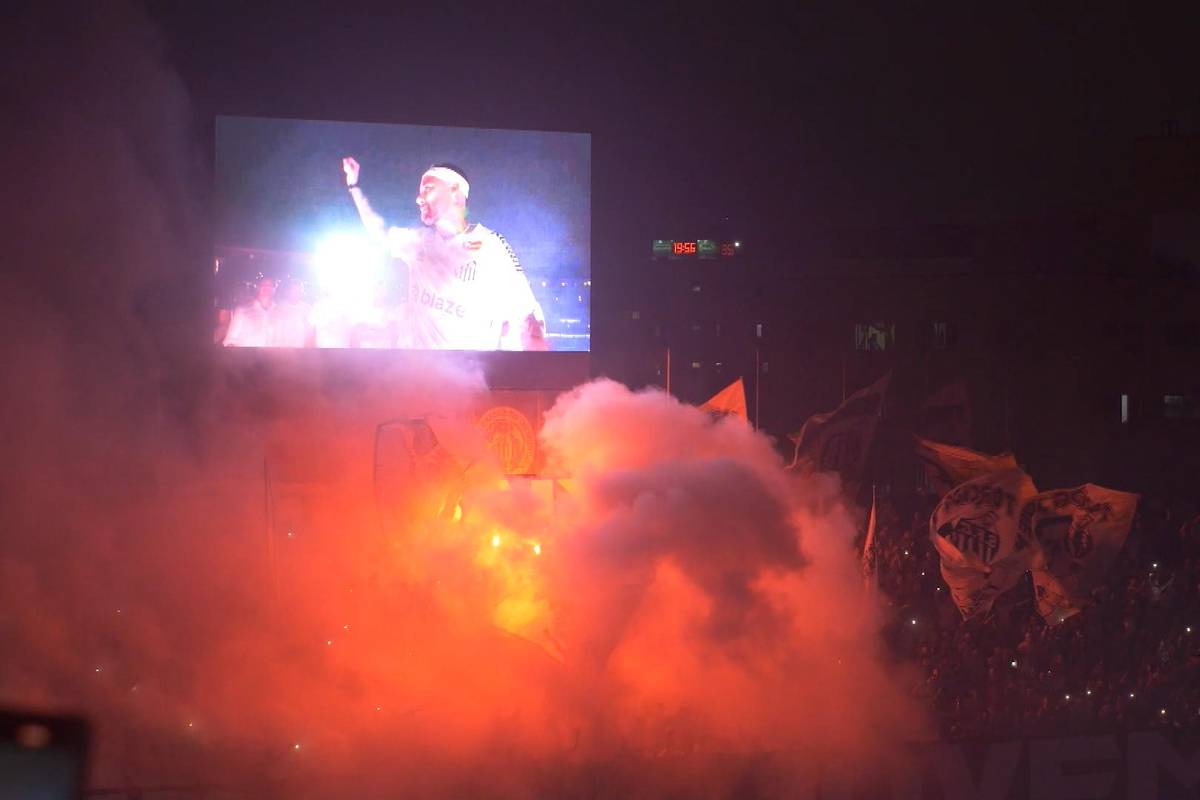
(695, 248)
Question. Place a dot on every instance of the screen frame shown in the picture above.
(570, 331)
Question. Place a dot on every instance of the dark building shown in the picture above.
(1076, 332)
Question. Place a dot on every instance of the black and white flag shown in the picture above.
(976, 530)
(1077, 533)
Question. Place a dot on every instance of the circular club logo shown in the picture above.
(510, 437)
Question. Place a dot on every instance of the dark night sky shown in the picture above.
(831, 111)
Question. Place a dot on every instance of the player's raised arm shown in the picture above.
(376, 227)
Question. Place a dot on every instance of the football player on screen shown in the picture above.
(466, 288)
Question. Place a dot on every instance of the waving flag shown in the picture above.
(1078, 534)
(946, 414)
(870, 556)
(946, 465)
(840, 440)
(977, 532)
(730, 401)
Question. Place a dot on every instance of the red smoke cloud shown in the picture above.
(683, 604)
(739, 609)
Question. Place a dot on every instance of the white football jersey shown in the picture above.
(466, 292)
(250, 326)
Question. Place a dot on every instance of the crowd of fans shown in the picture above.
(1130, 660)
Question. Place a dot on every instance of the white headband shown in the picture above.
(449, 176)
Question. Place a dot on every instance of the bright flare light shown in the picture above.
(349, 271)
(495, 540)
(344, 257)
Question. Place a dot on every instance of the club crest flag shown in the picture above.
(840, 440)
(730, 401)
(947, 465)
(977, 532)
(1077, 534)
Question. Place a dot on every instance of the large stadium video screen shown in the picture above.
(363, 235)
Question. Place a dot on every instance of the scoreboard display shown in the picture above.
(694, 248)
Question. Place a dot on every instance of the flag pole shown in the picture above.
(668, 370)
(269, 518)
(757, 378)
(843, 376)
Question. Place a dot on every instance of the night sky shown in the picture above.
(773, 119)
